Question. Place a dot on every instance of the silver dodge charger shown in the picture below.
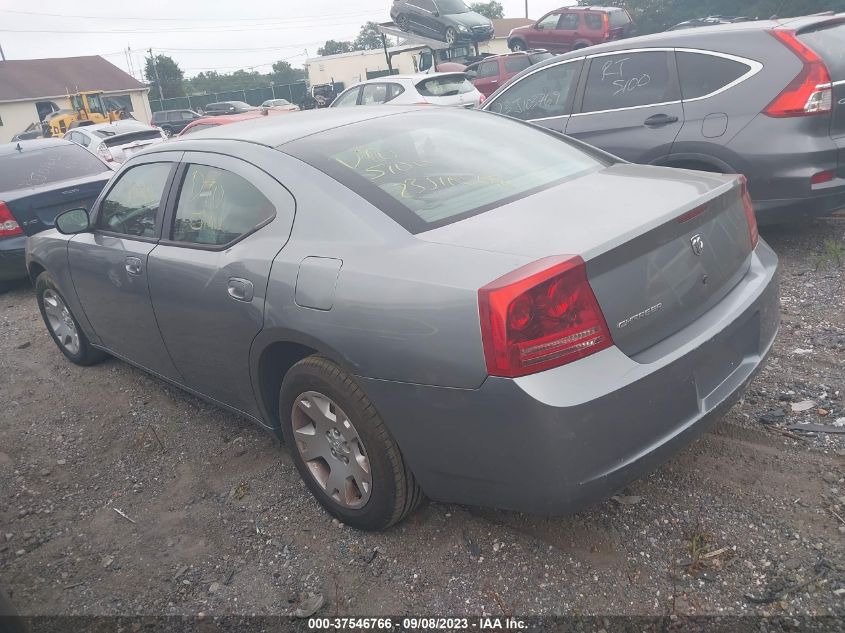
(423, 301)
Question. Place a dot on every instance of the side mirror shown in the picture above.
(73, 222)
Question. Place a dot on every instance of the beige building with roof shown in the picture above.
(32, 88)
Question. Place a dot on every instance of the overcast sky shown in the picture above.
(199, 34)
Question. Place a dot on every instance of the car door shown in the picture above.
(208, 275)
(487, 77)
(566, 31)
(109, 264)
(629, 104)
(542, 34)
(543, 96)
(425, 16)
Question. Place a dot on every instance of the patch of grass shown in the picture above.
(832, 254)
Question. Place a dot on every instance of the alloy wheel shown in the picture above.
(451, 35)
(331, 448)
(61, 322)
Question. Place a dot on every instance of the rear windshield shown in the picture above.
(829, 43)
(429, 169)
(22, 170)
(618, 18)
(445, 86)
(132, 137)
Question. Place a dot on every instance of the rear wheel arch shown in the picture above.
(35, 269)
(700, 162)
(581, 44)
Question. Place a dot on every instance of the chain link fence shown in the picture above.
(295, 93)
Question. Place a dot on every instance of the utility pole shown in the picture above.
(2, 54)
(158, 81)
(526, 9)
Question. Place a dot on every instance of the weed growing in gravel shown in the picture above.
(832, 254)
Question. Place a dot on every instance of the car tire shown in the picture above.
(337, 438)
(451, 36)
(516, 45)
(62, 325)
(167, 132)
(402, 22)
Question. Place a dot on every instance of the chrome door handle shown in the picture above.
(240, 289)
(133, 265)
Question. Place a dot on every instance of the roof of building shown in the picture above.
(502, 26)
(22, 79)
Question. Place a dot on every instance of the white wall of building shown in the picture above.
(352, 68)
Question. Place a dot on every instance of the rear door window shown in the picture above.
(517, 63)
(593, 21)
(544, 93)
(568, 22)
(349, 98)
(22, 170)
(487, 69)
(703, 74)
(626, 80)
(217, 207)
(374, 94)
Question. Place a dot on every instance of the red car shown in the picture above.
(208, 122)
(568, 28)
(490, 73)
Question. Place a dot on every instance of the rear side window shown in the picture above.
(374, 94)
(702, 74)
(619, 18)
(828, 43)
(132, 206)
(187, 115)
(543, 94)
(446, 86)
(487, 69)
(217, 207)
(22, 170)
(627, 80)
(394, 91)
(517, 64)
(593, 21)
(159, 116)
(415, 167)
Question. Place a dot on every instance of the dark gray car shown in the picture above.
(765, 99)
(529, 329)
(450, 21)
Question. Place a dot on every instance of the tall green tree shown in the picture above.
(493, 10)
(369, 38)
(333, 47)
(165, 69)
(652, 16)
(284, 73)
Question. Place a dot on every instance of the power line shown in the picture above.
(294, 18)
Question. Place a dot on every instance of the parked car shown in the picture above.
(389, 295)
(572, 28)
(490, 73)
(449, 21)
(174, 121)
(446, 89)
(280, 105)
(764, 98)
(38, 180)
(115, 142)
(712, 20)
(228, 107)
(206, 123)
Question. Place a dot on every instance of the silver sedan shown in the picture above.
(423, 301)
(117, 141)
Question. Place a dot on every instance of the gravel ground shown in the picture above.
(214, 518)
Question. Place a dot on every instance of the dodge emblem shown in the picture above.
(697, 244)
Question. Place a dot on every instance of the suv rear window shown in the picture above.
(703, 74)
(444, 86)
(26, 169)
(428, 169)
(618, 18)
(827, 42)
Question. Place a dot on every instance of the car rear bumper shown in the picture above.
(556, 441)
(822, 201)
(12, 258)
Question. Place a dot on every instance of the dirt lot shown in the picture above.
(214, 518)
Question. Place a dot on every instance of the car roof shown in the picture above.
(31, 145)
(273, 131)
(115, 125)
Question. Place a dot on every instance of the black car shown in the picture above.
(173, 121)
(38, 180)
(450, 21)
(228, 107)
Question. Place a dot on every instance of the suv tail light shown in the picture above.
(810, 92)
(540, 316)
(750, 217)
(9, 227)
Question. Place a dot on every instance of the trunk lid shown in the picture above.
(35, 209)
(651, 273)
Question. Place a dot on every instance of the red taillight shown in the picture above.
(9, 227)
(821, 177)
(810, 92)
(481, 99)
(749, 213)
(540, 316)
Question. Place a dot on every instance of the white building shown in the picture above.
(32, 88)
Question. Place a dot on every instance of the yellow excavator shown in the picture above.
(88, 108)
